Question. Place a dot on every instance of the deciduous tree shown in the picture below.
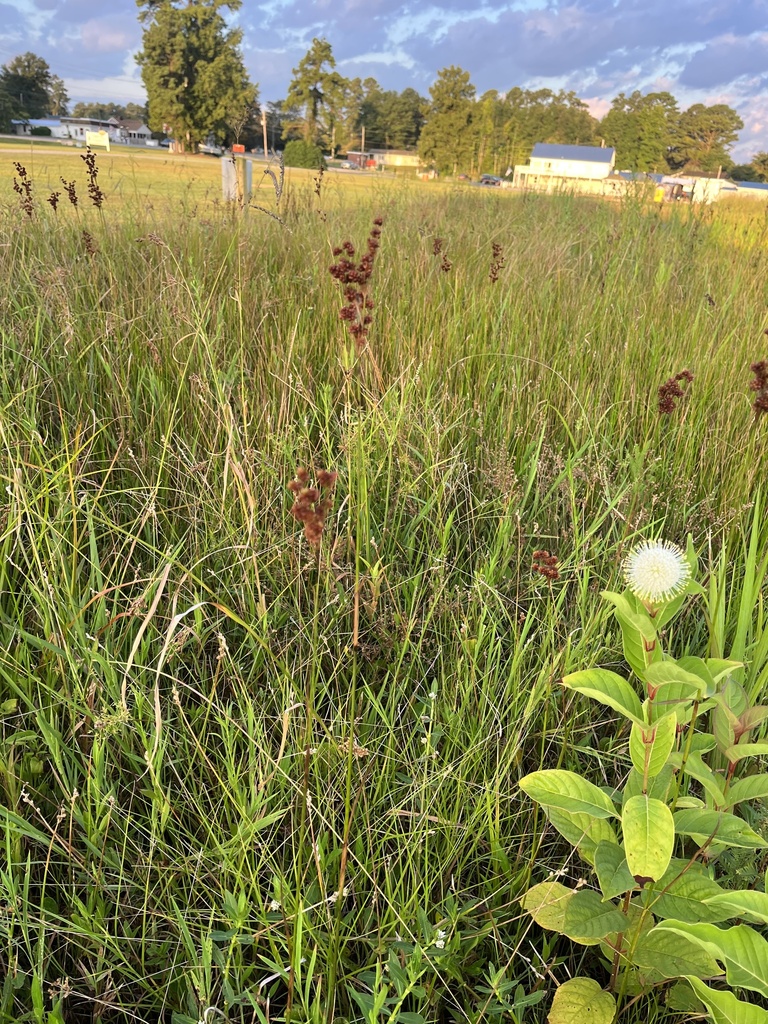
(26, 81)
(192, 69)
(703, 137)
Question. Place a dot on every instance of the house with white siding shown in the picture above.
(552, 165)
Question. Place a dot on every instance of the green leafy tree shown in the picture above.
(447, 140)
(760, 166)
(58, 97)
(743, 172)
(192, 69)
(315, 85)
(26, 81)
(703, 137)
(103, 111)
(641, 129)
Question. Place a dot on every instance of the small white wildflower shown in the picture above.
(433, 695)
(274, 906)
(440, 940)
(656, 571)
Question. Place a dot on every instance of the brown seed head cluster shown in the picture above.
(437, 250)
(354, 278)
(97, 197)
(23, 188)
(497, 261)
(90, 243)
(546, 565)
(760, 385)
(70, 189)
(311, 504)
(671, 390)
(53, 199)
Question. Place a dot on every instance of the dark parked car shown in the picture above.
(489, 179)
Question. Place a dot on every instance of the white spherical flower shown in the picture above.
(656, 571)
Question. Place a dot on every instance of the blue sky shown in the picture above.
(708, 51)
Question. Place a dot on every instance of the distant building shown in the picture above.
(552, 165)
(134, 131)
(53, 124)
(396, 158)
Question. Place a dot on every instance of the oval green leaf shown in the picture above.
(607, 688)
(580, 1000)
(555, 787)
(741, 949)
(649, 836)
(725, 1008)
(651, 745)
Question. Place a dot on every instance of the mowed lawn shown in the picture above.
(135, 177)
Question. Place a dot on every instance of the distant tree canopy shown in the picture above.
(103, 111)
(29, 90)
(193, 70)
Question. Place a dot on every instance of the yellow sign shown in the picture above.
(97, 139)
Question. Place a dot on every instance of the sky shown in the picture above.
(703, 51)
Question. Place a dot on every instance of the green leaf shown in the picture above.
(555, 787)
(671, 955)
(588, 918)
(651, 745)
(725, 1008)
(607, 688)
(738, 751)
(580, 1000)
(637, 631)
(582, 831)
(700, 771)
(726, 828)
(742, 950)
(682, 895)
(669, 672)
(698, 667)
(682, 999)
(752, 787)
(753, 717)
(580, 914)
(747, 903)
(719, 668)
(649, 836)
(658, 786)
(612, 872)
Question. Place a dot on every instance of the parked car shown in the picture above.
(210, 149)
(463, 177)
(489, 179)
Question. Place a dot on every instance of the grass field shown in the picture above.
(245, 781)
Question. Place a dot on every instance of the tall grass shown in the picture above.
(243, 781)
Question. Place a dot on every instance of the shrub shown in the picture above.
(40, 130)
(299, 153)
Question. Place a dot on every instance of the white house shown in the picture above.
(53, 124)
(552, 164)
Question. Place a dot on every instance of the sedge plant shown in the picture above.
(657, 916)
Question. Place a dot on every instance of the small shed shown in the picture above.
(552, 164)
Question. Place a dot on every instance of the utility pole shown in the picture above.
(362, 142)
(264, 129)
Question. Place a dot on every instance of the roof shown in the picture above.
(133, 124)
(40, 122)
(761, 185)
(590, 154)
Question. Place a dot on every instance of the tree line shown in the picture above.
(197, 86)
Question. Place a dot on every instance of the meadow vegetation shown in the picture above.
(250, 774)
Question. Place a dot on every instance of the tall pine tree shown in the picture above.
(193, 70)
